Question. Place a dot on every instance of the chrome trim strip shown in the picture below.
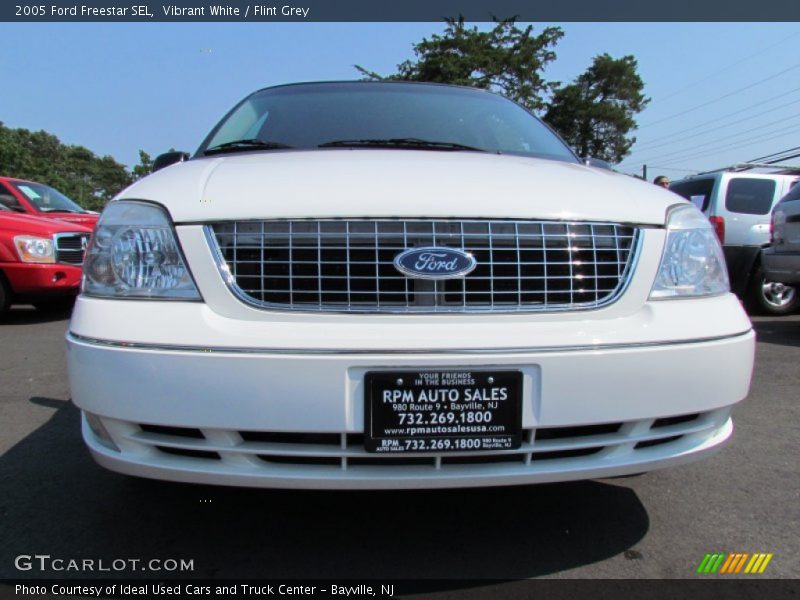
(74, 337)
(625, 278)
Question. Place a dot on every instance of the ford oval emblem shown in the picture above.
(435, 263)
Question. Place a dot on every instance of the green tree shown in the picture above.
(505, 59)
(144, 167)
(76, 171)
(595, 114)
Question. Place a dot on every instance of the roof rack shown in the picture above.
(745, 166)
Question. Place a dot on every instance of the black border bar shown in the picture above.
(712, 587)
(397, 10)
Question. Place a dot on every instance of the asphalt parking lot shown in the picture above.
(56, 501)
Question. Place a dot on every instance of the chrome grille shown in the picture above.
(347, 265)
(70, 247)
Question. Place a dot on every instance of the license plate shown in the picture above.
(442, 411)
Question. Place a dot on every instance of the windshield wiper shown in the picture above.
(248, 144)
(64, 210)
(400, 143)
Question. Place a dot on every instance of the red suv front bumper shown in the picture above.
(30, 279)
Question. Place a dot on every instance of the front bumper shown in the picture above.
(33, 279)
(223, 414)
(222, 459)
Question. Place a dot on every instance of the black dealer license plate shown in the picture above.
(442, 411)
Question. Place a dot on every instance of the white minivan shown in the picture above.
(384, 285)
(738, 204)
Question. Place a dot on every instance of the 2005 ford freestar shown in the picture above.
(394, 285)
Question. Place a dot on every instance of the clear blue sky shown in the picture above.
(116, 88)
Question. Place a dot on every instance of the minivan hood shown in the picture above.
(384, 183)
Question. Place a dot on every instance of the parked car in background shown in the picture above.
(782, 259)
(738, 204)
(40, 200)
(400, 285)
(40, 260)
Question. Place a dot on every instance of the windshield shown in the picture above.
(312, 115)
(45, 198)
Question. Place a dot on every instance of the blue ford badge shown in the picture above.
(434, 263)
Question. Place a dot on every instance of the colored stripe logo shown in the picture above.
(735, 562)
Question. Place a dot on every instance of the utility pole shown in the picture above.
(644, 172)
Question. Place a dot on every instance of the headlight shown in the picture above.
(692, 264)
(35, 249)
(134, 254)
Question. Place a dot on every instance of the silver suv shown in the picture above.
(739, 204)
(782, 259)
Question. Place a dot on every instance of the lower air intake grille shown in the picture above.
(345, 451)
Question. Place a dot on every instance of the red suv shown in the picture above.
(41, 200)
(40, 260)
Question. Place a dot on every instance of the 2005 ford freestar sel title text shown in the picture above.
(395, 285)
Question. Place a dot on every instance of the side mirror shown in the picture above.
(590, 161)
(169, 158)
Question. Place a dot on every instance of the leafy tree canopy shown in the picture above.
(595, 114)
(144, 167)
(88, 179)
(505, 59)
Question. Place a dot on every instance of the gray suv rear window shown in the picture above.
(750, 196)
(794, 193)
(698, 191)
